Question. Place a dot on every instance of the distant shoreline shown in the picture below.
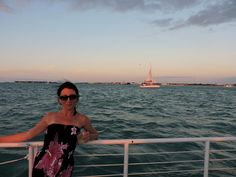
(48, 82)
(129, 83)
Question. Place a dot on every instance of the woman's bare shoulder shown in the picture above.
(50, 117)
(82, 119)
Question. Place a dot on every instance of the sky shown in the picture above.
(190, 41)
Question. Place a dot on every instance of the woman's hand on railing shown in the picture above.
(83, 137)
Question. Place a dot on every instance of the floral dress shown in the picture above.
(56, 157)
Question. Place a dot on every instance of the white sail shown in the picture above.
(149, 82)
(149, 77)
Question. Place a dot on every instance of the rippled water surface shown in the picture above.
(123, 111)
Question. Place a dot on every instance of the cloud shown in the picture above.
(4, 7)
(173, 14)
(115, 5)
(130, 5)
(212, 13)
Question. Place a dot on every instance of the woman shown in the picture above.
(61, 135)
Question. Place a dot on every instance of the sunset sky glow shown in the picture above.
(118, 40)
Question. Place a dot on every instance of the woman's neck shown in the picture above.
(67, 113)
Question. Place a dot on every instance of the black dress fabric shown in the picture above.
(56, 157)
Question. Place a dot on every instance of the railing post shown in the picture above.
(206, 158)
(126, 159)
(30, 160)
(36, 149)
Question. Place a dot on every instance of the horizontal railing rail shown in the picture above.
(206, 151)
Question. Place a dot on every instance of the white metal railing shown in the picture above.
(33, 148)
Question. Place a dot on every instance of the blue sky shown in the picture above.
(118, 40)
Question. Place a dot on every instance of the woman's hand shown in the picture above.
(83, 137)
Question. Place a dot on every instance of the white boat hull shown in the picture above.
(149, 86)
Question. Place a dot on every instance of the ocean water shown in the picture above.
(125, 112)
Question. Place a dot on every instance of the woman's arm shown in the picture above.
(90, 132)
(24, 136)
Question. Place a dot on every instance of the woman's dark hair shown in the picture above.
(68, 85)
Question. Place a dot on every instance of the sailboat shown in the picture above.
(149, 82)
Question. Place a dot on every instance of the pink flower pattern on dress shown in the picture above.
(73, 131)
(56, 157)
(51, 161)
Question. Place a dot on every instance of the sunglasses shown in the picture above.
(70, 97)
